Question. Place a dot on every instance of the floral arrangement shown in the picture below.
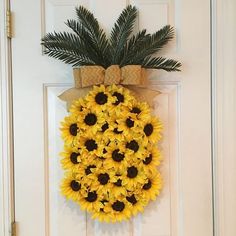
(111, 156)
(110, 137)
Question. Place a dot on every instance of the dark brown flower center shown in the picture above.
(101, 98)
(73, 157)
(116, 131)
(75, 186)
(129, 123)
(88, 169)
(135, 110)
(132, 172)
(118, 183)
(92, 197)
(73, 129)
(118, 206)
(148, 160)
(91, 145)
(90, 119)
(105, 127)
(116, 156)
(132, 145)
(131, 199)
(119, 98)
(103, 178)
(148, 129)
(148, 185)
(104, 151)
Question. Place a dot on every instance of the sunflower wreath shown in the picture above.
(110, 136)
(110, 154)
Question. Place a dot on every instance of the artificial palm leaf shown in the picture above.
(153, 43)
(88, 44)
(97, 36)
(161, 63)
(133, 46)
(66, 47)
(121, 32)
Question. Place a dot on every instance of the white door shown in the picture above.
(184, 207)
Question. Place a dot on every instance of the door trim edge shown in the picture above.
(223, 59)
(7, 206)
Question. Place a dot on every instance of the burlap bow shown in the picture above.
(131, 76)
(93, 75)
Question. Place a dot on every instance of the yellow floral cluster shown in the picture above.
(111, 154)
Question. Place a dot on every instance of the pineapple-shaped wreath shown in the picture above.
(110, 154)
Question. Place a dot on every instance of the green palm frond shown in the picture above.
(86, 40)
(88, 44)
(97, 36)
(121, 32)
(153, 43)
(133, 46)
(67, 48)
(161, 63)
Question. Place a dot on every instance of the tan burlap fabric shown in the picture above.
(131, 76)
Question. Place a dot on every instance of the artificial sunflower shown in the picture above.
(152, 130)
(90, 201)
(71, 157)
(118, 209)
(136, 202)
(128, 126)
(101, 183)
(91, 120)
(122, 98)
(77, 106)
(133, 177)
(152, 186)
(91, 144)
(116, 156)
(139, 111)
(118, 188)
(70, 129)
(101, 215)
(135, 146)
(99, 99)
(90, 165)
(114, 133)
(151, 159)
(71, 186)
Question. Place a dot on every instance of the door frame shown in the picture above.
(223, 72)
(223, 86)
(6, 128)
